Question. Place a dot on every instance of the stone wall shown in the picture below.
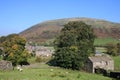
(88, 66)
(5, 65)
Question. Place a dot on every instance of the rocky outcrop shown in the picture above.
(6, 65)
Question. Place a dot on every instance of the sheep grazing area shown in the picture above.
(44, 72)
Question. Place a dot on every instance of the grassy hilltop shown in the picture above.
(47, 30)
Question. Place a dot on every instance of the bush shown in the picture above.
(42, 59)
(113, 49)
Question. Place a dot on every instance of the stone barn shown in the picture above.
(5, 65)
(99, 62)
(44, 51)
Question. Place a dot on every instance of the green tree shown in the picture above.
(118, 46)
(113, 49)
(14, 49)
(74, 45)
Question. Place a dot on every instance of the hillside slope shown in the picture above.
(49, 29)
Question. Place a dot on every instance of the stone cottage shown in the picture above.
(44, 51)
(5, 65)
(99, 61)
(40, 50)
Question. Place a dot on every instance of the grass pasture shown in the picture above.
(104, 41)
(45, 72)
(101, 49)
(117, 63)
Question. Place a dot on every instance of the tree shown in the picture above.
(74, 45)
(118, 46)
(113, 49)
(14, 49)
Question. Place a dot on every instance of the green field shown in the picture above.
(101, 49)
(117, 63)
(42, 71)
(45, 72)
(104, 41)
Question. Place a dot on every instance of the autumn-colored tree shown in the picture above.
(13, 49)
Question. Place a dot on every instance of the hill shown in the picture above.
(49, 29)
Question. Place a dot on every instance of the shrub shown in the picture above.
(113, 49)
(42, 59)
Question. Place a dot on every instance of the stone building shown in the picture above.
(99, 61)
(5, 65)
(44, 51)
(40, 50)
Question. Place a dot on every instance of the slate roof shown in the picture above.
(100, 58)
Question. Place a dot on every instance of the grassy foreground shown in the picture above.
(45, 72)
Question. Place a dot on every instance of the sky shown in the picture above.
(18, 15)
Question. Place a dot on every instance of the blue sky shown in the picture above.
(18, 15)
